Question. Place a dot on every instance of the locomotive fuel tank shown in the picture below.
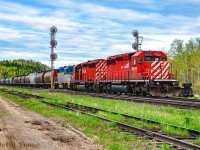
(121, 88)
(81, 87)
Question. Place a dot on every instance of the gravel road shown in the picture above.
(21, 128)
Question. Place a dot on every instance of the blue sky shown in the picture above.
(91, 29)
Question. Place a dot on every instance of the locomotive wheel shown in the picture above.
(108, 88)
(104, 88)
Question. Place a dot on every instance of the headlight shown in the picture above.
(157, 83)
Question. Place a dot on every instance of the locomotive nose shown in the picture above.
(160, 70)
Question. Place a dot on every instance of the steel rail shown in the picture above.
(168, 102)
(146, 132)
(191, 131)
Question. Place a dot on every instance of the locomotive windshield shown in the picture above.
(147, 58)
(157, 58)
(152, 58)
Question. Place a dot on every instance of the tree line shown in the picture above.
(10, 68)
(185, 60)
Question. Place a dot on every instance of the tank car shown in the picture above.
(22, 80)
(43, 79)
(14, 81)
(27, 80)
(32, 79)
(18, 80)
(4, 81)
(9, 81)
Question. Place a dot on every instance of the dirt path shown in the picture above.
(23, 129)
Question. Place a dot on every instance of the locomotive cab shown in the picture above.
(153, 67)
(150, 65)
(64, 76)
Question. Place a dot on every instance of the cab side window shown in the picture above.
(140, 60)
(134, 62)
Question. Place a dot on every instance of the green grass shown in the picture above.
(104, 133)
(174, 131)
(180, 117)
(165, 147)
(197, 141)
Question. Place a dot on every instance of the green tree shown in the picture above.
(185, 57)
(10, 68)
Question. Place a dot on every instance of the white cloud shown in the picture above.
(19, 54)
(86, 31)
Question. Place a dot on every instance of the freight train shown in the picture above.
(143, 72)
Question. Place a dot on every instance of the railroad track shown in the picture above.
(175, 102)
(167, 101)
(75, 105)
(194, 133)
(87, 110)
(126, 127)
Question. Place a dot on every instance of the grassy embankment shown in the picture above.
(186, 118)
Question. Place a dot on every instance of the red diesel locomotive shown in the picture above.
(140, 73)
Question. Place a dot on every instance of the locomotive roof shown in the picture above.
(139, 52)
(121, 55)
(95, 60)
(90, 61)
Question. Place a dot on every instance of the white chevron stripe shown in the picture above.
(165, 71)
(153, 63)
(156, 67)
